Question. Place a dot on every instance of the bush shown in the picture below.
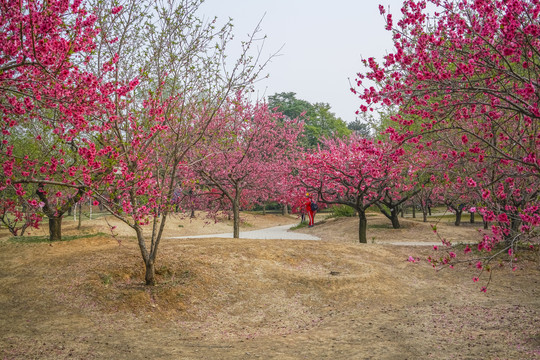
(270, 206)
(342, 211)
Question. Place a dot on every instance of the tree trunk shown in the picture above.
(150, 275)
(80, 215)
(264, 209)
(424, 213)
(55, 228)
(472, 218)
(402, 211)
(362, 227)
(394, 218)
(486, 223)
(458, 217)
(236, 219)
(515, 222)
(284, 209)
(413, 211)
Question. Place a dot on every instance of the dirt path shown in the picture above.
(263, 299)
(280, 232)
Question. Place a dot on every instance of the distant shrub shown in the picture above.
(342, 211)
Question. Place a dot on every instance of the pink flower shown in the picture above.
(475, 279)
(452, 254)
(435, 247)
(117, 9)
(471, 182)
(479, 265)
(467, 249)
(483, 289)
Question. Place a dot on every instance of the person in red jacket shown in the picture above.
(309, 210)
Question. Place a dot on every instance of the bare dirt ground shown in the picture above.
(262, 299)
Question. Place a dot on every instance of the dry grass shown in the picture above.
(270, 299)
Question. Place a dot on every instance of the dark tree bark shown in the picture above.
(362, 227)
(236, 218)
(150, 273)
(391, 214)
(55, 213)
(55, 228)
(458, 217)
(394, 218)
(79, 224)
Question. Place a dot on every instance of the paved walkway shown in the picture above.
(282, 233)
(276, 233)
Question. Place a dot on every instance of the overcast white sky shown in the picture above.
(323, 41)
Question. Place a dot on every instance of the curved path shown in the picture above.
(282, 233)
(272, 233)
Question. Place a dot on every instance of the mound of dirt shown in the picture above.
(271, 299)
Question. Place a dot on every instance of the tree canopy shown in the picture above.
(319, 121)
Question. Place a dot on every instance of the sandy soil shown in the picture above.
(262, 299)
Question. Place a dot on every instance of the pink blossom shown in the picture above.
(471, 182)
(503, 218)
